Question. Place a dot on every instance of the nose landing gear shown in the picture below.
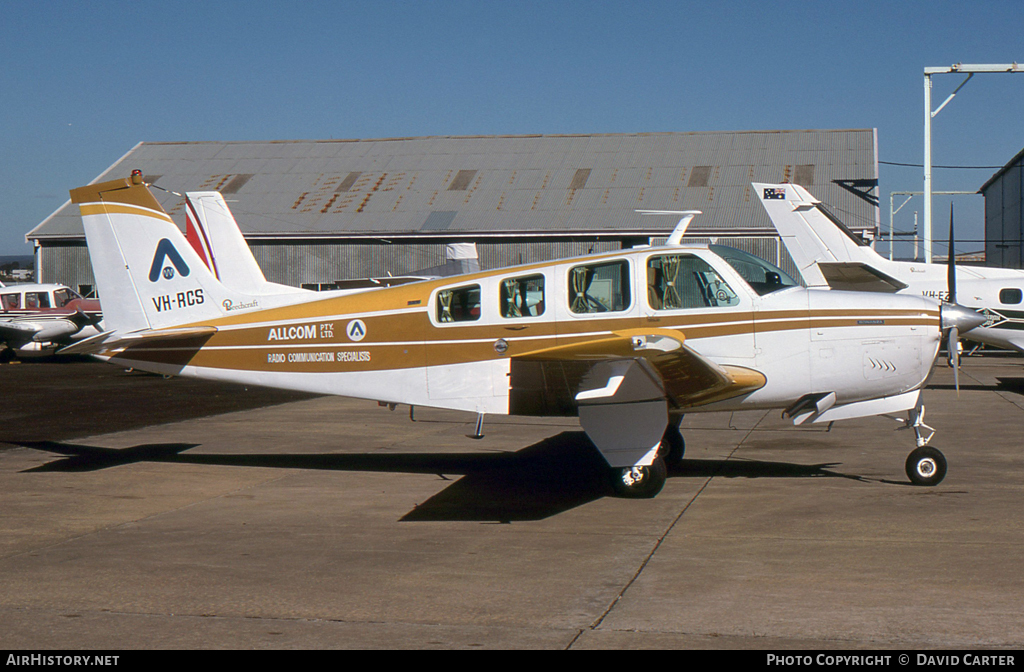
(925, 465)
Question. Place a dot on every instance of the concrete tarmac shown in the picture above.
(333, 523)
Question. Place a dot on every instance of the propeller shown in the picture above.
(953, 338)
(955, 316)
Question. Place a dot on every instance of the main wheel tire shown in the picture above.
(926, 466)
(673, 446)
(640, 482)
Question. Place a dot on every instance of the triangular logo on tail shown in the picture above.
(165, 250)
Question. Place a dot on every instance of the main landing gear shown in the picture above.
(646, 482)
(925, 465)
(640, 482)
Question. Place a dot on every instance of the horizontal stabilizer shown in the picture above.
(109, 340)
(859, 277)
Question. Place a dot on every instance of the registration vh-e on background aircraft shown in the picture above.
(628, 341)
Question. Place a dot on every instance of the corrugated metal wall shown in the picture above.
(1004, 217)
(68, 265)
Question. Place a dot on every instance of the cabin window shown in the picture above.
(10, 301)
(37, 300)
(763, 277)
(522, 297)
(62, 297)
(677, 281)
(599, 288)
(1010, 295)
(461, 304)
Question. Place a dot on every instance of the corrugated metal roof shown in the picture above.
(505, 184)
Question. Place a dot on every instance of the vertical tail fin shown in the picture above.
(212, 231)
(147, 274)
(811, 235)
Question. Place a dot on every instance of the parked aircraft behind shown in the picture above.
(828, 254)
(36, 319)
(628, 341)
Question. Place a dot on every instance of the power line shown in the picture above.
(921, 165)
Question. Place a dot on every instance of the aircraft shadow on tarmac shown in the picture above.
(1008, 384)
(539, 481)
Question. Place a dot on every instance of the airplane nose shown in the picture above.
(961, 317)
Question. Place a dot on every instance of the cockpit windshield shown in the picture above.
(763, 277)
(64, 296)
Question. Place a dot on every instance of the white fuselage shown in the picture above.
(857, 345)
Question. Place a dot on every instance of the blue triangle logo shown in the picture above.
(165, 250)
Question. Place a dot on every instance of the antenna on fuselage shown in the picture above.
(676, 238)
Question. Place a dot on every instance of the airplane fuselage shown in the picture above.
(466, 343)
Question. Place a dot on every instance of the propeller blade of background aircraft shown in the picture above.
(953, 340)
(951, 261)
(953, 347)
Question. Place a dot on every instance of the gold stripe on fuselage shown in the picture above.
(296, 339)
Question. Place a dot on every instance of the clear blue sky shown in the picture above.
(82, 82)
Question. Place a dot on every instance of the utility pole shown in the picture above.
(970, 71)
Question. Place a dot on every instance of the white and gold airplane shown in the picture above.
(628, 341)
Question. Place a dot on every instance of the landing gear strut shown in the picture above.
(925, 465)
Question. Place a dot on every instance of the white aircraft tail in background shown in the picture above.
(829, 254)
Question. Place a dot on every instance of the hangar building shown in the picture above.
(319, 211)
(1004, 215)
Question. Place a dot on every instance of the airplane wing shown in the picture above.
(622, 387)
(44, 330)
(17, 331)
(687, 378)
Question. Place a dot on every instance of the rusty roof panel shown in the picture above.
(525, 180)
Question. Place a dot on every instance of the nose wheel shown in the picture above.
(926, 466)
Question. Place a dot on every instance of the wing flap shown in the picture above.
(688, 379)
